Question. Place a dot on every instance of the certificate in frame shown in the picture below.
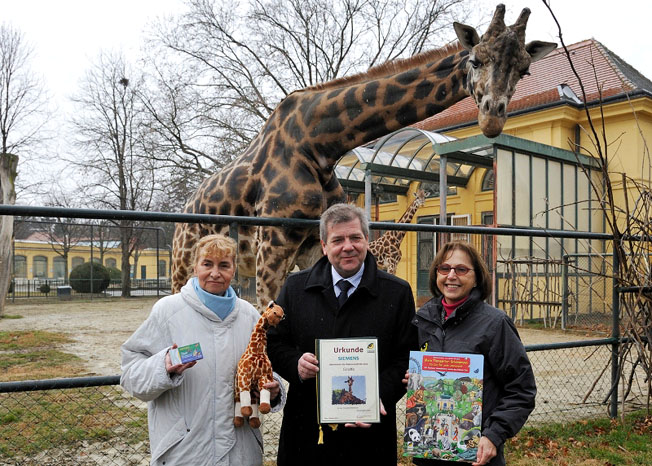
(347, 381)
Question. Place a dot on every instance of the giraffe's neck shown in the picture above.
(406, 218)
(259, 335)
(341, 115)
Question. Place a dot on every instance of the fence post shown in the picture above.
(615, 333)
(233, 233)
(564, 293)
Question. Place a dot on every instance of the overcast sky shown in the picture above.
(68, 34)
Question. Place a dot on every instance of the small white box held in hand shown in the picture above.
(185, 354)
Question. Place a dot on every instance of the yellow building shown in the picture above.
(37, 257)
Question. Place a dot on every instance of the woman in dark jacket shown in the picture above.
(457, 320)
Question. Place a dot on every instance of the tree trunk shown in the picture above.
(125, 238)
(8, 165)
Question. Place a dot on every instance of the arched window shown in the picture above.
(20, 266)
(488, 180)
(40, 267)
(111, 262)
(161, 268)
(59, 267)
(77, 261)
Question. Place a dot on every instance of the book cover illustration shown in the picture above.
(444, 406)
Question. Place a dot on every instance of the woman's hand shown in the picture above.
(486, 451)
(406, 378)
(177, 369)
(274, 389)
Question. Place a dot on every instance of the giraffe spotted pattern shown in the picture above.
(387, 248)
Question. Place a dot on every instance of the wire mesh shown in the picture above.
(106, 426)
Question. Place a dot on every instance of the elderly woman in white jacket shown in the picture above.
(190, 406)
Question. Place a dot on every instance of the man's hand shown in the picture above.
(308, 366)
(178, 368)
(406, 378)
(486, 451)
(366, 425)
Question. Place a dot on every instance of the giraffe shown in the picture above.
(349, 382)
(387, 248)
(288, 169)
(254, 370)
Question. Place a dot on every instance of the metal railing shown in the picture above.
(92, 421)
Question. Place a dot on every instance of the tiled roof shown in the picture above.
(597, 66)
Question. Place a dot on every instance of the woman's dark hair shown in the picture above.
(482, 277)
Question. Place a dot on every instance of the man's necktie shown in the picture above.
(344, 286)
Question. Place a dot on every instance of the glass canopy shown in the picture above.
(409, 154)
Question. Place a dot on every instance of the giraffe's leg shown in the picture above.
(238, 420)
(254, 419)
(277, 250)
(185, 236)
(265, 403)
(245, 403)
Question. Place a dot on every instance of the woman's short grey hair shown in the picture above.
(340, 213)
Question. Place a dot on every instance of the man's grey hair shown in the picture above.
(340, 213)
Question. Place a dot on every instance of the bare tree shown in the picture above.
(112, 146)
(222, 69)
(21, 107)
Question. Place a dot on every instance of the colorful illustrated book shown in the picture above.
(444, 406)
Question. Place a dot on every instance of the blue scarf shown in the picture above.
(220, 305)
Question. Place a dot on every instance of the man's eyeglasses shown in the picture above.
(459, 270)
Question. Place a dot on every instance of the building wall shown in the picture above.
(36, 249)
(628, 134)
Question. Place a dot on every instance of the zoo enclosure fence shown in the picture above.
(92, 421)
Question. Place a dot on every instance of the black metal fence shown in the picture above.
(92, 421)
(51, 288)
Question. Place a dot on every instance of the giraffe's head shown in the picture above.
(497, 61)
(273, 314)
(421, 197)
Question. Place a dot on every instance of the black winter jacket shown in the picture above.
(382, 306)
(509, 389)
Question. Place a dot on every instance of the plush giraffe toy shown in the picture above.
(255, 370)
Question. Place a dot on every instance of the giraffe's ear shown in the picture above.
(538, 49)
(467, 35)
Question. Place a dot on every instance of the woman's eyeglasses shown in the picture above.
(459, 270)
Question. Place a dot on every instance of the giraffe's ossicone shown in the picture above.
(287, 170)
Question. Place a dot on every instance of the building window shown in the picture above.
(161, 268)
(77, 261)
(59, 267)
(40, 267)
(488, 218)
(20, 266)
(488, 180)
(111, 262)
(432, 190)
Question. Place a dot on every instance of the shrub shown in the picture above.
(80, 278)
(114, 273)
(45, 288)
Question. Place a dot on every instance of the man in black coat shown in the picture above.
(373, 304)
